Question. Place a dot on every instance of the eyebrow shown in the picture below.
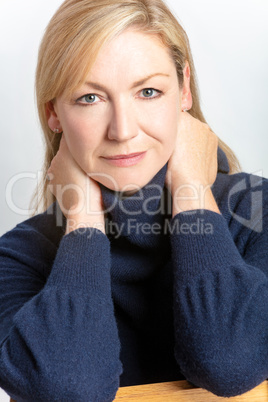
(100, 87)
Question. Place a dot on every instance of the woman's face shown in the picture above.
(121, 124)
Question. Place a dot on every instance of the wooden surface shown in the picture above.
(182, 391)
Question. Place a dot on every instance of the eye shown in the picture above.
(88, 99)
(150, 93)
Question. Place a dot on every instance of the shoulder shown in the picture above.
(241, 190)
(242, 199)
(35, 239)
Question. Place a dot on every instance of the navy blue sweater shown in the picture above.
(155, 299)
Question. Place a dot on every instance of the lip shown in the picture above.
(125, 160)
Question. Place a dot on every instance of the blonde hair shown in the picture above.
(71, 43)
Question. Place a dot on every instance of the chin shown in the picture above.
(126, 183)
(124, 186)
(128, 180)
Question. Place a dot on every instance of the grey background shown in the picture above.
(229, 45)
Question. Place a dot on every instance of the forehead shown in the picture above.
(131, 55)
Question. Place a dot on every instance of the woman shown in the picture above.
(149, 263)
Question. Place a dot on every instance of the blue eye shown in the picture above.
(88, 99)
(150, 93)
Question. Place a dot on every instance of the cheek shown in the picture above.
(82, 134)
(161, 123)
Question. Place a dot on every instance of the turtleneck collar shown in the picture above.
(131, 205)
(138, 217)
(223, 165)
(145, 210)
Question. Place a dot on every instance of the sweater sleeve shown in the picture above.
(220, 304)
(59, 339)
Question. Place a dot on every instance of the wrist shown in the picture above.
(188, 197)
(82, 222)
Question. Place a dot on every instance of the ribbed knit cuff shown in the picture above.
(201, 242)
(82, 262)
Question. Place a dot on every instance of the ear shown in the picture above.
(52, 117)
(186, 99)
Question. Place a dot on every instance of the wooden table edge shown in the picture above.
(183, 391)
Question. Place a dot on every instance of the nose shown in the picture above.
(123, 125)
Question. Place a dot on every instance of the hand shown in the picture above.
(192, 168)
(71, 186)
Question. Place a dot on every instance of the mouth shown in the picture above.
(125, 160)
